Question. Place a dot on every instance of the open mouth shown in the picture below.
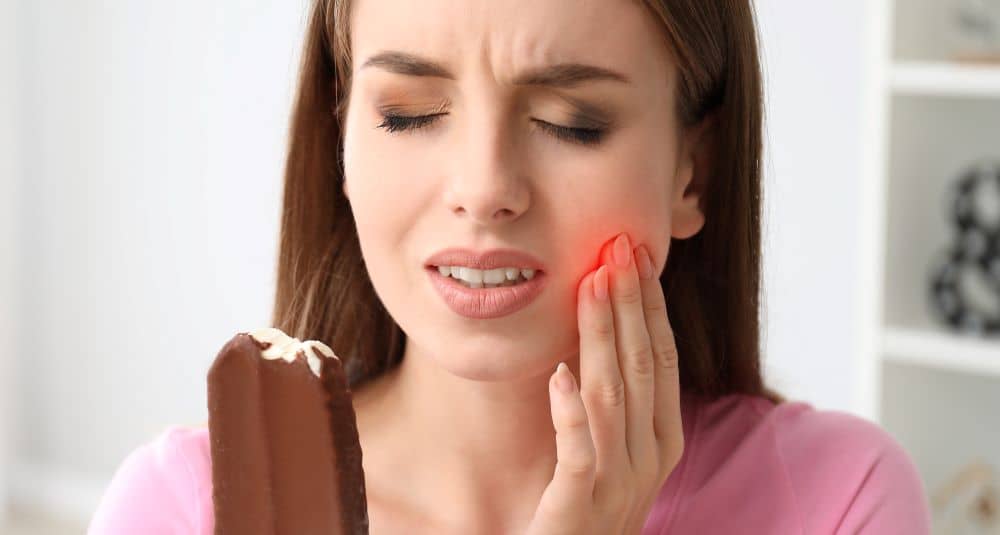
(491, 278)
(486, 300)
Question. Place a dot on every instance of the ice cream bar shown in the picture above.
(286, 459)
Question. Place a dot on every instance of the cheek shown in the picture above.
(636, 200)
(382, 190)
(629, 183)
(608, 201)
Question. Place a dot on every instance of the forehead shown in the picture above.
(508, 37)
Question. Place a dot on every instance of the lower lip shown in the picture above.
(485, 303)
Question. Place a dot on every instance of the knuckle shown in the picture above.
(630, 294)
(666, 359)
(655, 308)
(576, 425)
(611, 394)
(579, 466)
(640, 361)
(603, 329)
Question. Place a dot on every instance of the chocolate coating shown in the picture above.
(286, 457)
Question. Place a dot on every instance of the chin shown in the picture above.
(492, 357)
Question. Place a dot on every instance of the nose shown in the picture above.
(486, 184)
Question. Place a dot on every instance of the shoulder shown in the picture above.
(162, 486)
(851, 471)
(846, 473)
(803, 435)
(790, 468)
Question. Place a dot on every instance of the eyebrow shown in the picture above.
(559, 75)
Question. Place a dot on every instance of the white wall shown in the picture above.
(10, 181)
(814, 61)
(151, 189)
(153, 159)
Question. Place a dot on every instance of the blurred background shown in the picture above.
(141, 155)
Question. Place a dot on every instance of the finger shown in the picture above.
(667, 425)
(572, 487)
(635, 353)
(601, 384)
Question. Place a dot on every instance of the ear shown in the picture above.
(343, 174)
(691, 178)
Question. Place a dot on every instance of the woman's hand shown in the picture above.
(619, 436)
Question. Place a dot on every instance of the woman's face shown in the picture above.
(487, 174)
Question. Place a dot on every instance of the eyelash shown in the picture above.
(582, 136)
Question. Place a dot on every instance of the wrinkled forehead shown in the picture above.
(507, 37)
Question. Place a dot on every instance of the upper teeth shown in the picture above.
(489, 276)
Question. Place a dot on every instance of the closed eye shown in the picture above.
(582, 136)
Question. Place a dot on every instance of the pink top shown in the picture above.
(748, 466)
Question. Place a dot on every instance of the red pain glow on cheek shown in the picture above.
(596, 258)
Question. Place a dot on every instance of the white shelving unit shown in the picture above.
(932, 115)
(944, 79)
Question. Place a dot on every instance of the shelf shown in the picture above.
(942, 350)
(934, 95)
(943, 421)
(931, 143)
(946, 79)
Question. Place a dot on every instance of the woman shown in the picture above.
(616, 146)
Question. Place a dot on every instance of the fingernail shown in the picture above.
(601, 284)
(564, 379)
(623, 251)
(643, 262)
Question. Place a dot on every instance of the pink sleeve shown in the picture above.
(153, 492)
(891, 498)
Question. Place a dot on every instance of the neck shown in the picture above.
(485, 448)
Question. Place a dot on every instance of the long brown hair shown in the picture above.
(711, 280)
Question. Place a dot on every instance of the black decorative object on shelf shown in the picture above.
(977, 30)
(965, 278)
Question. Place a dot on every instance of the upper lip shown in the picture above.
(492, 259)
